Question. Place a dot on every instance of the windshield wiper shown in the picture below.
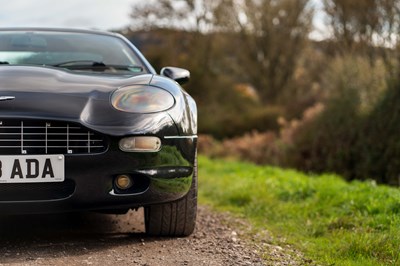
(79, 63)
(4, 63)
(96, 66)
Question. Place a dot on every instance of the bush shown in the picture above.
(256, 147)
(355, 132)
(326, 143)
(269, 147)
(333, 141)
(355, 79)
(379, 141)
(236, 117)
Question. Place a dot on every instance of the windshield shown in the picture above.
(70, 50)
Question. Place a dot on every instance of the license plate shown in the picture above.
(32, 169)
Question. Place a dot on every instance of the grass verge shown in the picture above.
(328, 219)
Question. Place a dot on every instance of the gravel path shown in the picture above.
(94, 239)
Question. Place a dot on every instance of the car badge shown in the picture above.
(7, 98)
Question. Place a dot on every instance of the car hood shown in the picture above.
(57, 94)
(57, 80)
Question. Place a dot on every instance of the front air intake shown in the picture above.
(48, 137)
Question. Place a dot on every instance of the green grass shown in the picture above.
(331, 221)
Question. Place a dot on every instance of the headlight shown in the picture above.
(142, 99)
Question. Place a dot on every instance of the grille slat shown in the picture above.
(44, 137)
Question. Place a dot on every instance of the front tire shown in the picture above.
(176, 218)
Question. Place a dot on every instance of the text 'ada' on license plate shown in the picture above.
(32, 169)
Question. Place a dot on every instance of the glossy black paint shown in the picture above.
(48, 93)
(85, 99)
(169, 172)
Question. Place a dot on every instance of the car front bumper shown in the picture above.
(159, 177)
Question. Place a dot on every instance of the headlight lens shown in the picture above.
(142, 99)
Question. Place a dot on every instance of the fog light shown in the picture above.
(140, 144)
(123, 182)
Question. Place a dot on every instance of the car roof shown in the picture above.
(68, 30)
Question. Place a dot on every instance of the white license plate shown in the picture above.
(32, 169)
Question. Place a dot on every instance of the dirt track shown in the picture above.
(94, 239)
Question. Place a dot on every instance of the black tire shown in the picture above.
(176, 218)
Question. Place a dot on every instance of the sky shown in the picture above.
(89, 14)
(320, 31)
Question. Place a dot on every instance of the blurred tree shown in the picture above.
(353, 22)
(366, 27)
(186, 24)
(263, 39)
(273, 35)
(187, 15)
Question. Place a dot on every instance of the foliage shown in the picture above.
(354, 133)
(272, 36)
(354, 76)
(231, 120)
(190, 15)
(267, 147)
(254, 146)
(331, 221)
(366, 28)
(379, 149)
(332, 141)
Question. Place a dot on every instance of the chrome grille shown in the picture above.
(48, 137)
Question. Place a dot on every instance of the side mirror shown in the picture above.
(180, 75)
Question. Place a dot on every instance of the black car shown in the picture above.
(86, 124)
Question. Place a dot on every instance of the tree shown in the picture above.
(366, 27)
(263, 39)
(273, 34)
(187, 15)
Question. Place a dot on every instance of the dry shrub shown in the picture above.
(260, 147)
(254, 146)
(289, 129)
(237, 118)
(207, 144)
